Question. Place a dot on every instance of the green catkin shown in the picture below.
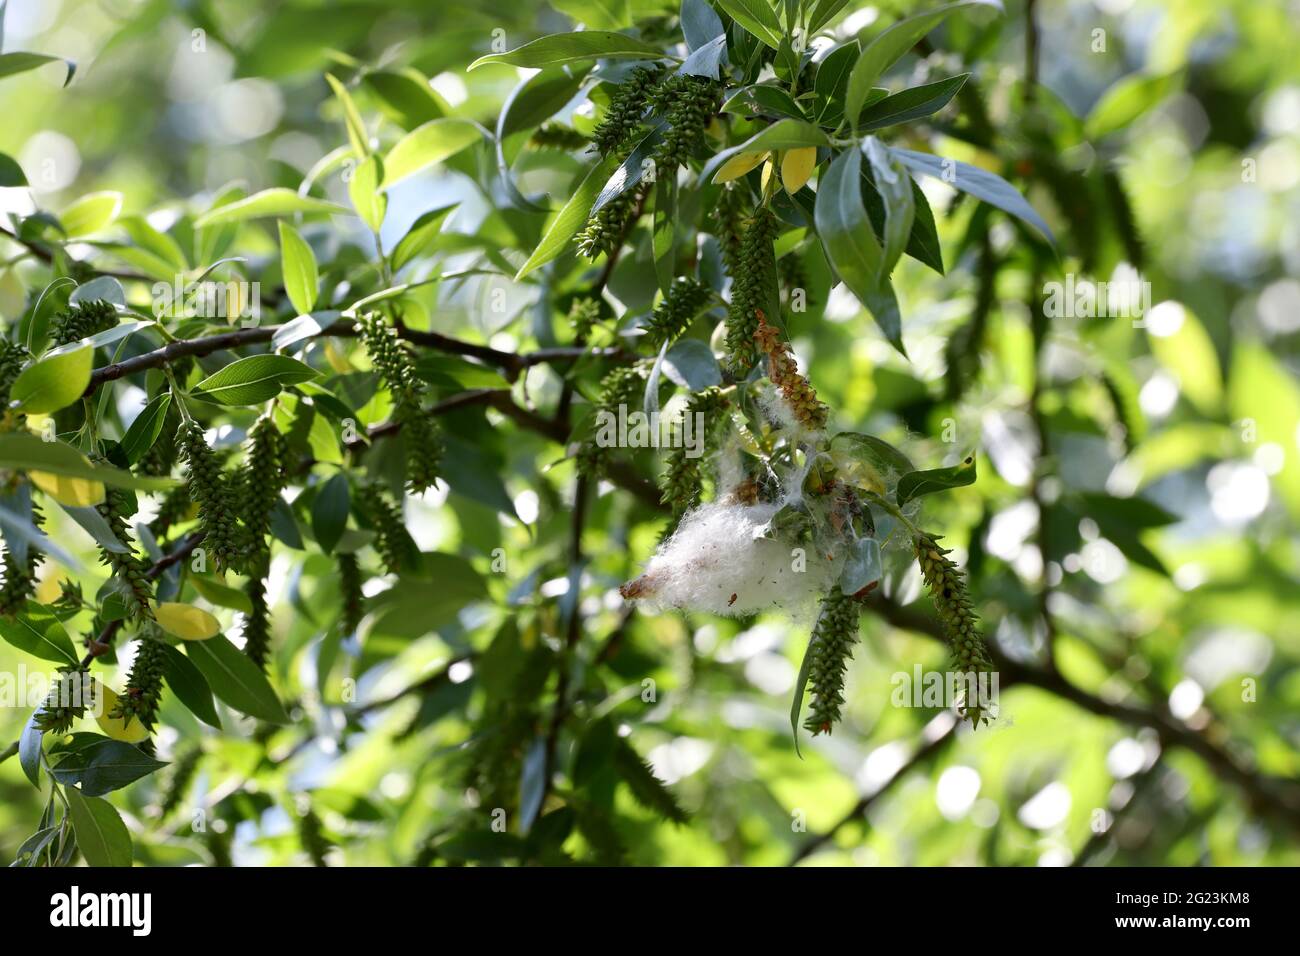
(396, 366)
(675, 312)
(311, 834)
(144, 685)
(609, 225)
(753, 277)
(389, 527)
(257, 622)
(627, 106)
(212, 490)
(65, 704)
(176, 786)
(833, 638)
(174, 508)
(558, 136)
(128, 566)
(584, 313)
(82, 321)
(263, 477)
(20, 577)
(687, 104)
(947, 587)
(353, 597)
(684, 475)
(624, 385)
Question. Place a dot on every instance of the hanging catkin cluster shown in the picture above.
(262, 481)
(956, 611)
(353, 599)
(12, 359)
(753, 281)
(626, 109)
(798, 393)
(385, 518)
(676, 311)
(82, 321)
(127, 565)
(20, 576)
(144, 685)
(687, 104)
(211, 489)
(558, 136)
(66, 702)
(832, 646)
(624, 385)
(609, 224)
(584, 313)
(683, 477)
(177, 784)
(422, 437)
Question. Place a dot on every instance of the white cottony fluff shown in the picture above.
(719, 561)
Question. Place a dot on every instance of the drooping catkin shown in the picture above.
(177, 783)
(144, 685)
(210, 488)
(20, 576)
(353, 598)
(82, 321)
(66, 702)
(128, 566)
(558, 136)
(257, 622)
(833, 638)
(947, 586)
(262, 478)
(623, 385)
(608, 226)
(687, 104)
(753, 282)
(626, 108)
(584, 313)
(396, 366)
(684, 474)
(386, 519)
(675, 312)
(784, 373)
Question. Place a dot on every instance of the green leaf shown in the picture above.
(569, 47)
(363, 189)
(763, 99)
(236, 679)
(298, 264)
(918, 483)
(356, 128)
(420, 236)
(912, 103)
(758, 18)
(11, 174)
(1126, 100)
(54, 381)
(862, 567)
(569, 219)
(406, 96)
(851, 247)
(822, 13)
(189, 685)
(139, 438)
(425, 145)
(596, 14)
(980, 183)
(800, 687)
(253, 380)
(887, 48)
(92, 213)
(895, 187)
(783, 134)
(29, 749)
(222, 595)
(23, 451)
(104, 765)
(329, 512)
(12, 63)
(101, 834)
(38, 632)
(269, 202)
(868, 459)
(648, 789)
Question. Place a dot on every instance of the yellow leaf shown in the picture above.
(768, 169)
(73, 492)
(116, 727)
(797, 167)
(337, 360)
(737, 166)
(48, 589)
(187, 622)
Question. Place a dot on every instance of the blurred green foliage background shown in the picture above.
(1167, 731)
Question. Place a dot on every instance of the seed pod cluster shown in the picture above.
(584, 313)
(351, 593)
(753, 279)
(12, 359)
(683, 477)
(212, 490)
(257, 622)
(128, 566)
(688, 104)
(143, 685)
(66, 702)
(833, 638)
(177, 784)
(174, 508)
(623, 385)
(392, 359)
(82, 321)
(675, 312)
(263, 477)
(20, 576)
(609, 225)
(626, 109)
(386, 519)
(956, 611)
(784, 373)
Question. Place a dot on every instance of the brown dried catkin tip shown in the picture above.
(784, 373)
